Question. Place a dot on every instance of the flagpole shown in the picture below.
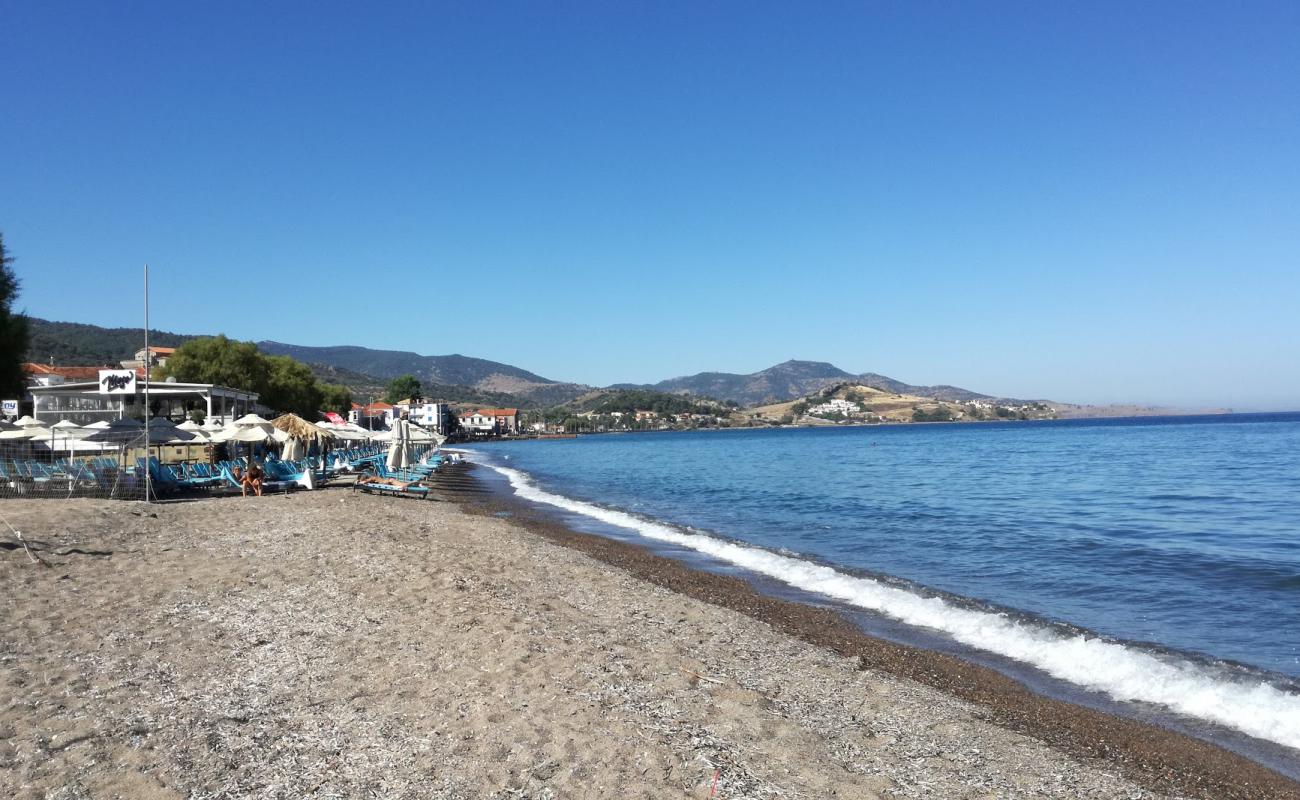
(148, 482)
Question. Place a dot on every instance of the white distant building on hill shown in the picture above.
(835, 406)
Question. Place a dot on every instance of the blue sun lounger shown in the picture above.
(417, 492)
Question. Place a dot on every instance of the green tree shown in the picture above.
(292, 387)
(403, 387)
(216, 359)
(13, 331)
(335, 398)
(281, 382)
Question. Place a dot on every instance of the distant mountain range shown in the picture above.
(793, 379)
(462, 378)
(453, 370)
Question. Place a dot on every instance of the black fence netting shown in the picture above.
(31, 469)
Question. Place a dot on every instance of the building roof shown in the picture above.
(67, 373)
(498, 412)
(162, 351)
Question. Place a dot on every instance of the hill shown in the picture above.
(75, 344)
(78, 344)
(792, 380)
(856, 401)
(487, 377)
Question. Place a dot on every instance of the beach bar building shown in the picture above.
(81, 402)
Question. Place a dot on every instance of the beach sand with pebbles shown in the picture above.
(336, 645)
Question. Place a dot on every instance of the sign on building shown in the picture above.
(9, 408)
(117, 381)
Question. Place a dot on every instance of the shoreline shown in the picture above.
(335, 644)
(1157, 758)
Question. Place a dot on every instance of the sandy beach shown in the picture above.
(336, 645)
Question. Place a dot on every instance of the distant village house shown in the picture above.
(486, 421)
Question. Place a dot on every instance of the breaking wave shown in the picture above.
(1123, 672)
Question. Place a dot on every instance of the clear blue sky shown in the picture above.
(1083, 201)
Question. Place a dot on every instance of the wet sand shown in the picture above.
(334, 644)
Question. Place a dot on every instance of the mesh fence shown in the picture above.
(31, 470)
(58, 469)
(111, 470)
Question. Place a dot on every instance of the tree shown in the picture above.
(335, 398)
(281, 382)
(402, 387)
(216, 359)
(13, 331)
(292, 387)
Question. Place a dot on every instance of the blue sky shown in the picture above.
(1084, 201)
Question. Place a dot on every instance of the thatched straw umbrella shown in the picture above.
(301, 432)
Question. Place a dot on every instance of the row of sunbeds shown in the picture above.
(104, 476)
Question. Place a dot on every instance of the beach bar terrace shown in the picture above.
(83, 404)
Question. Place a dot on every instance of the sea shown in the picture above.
(1146, 566)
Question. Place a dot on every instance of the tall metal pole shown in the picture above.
(148, 481)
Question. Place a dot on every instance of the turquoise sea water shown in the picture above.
(1169, 547)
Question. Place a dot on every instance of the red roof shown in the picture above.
(498, 412)
(67, 373)
(162, 351)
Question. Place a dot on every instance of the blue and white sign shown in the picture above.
(9, 408)
(117, 381)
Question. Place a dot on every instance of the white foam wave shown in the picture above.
(1124, 673)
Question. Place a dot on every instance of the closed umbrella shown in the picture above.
(294, 449)
(399, 453)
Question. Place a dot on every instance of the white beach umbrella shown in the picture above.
(94, 426)
(252, 419)
(25, 428)
(64, 427)
(294, 449)
(244, 433)
(399, 454)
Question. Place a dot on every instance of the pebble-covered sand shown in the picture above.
(337, 645)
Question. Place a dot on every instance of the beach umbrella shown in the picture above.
(249, 428)
(190, 426)
(399, 454)
(294, 449)
(302, 435)
(25, 428)
(299, 428)
(252, 419)
(94, 426)
(63, 429)
(251, 434)
(120, 431)
(163, 430)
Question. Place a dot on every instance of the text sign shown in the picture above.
(9, 407)
(117, 381)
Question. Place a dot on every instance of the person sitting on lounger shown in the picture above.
(252, 479)
(386, 481)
